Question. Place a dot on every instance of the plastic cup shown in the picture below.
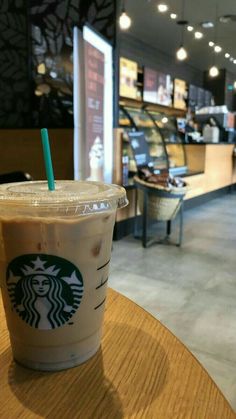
(55, 249)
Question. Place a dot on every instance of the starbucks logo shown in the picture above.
(44, 290)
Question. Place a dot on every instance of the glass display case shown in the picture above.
(128, 163)
(141, 121)
(167, 127)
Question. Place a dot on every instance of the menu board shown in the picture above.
(180, 94)
(128, 78)
(192, 96)
(157, 87)
(200, 98)
(208, 97)
(140, 148)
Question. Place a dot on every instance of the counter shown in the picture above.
(211, 166)
(217, 163)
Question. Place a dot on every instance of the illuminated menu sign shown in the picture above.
(128, 78)
(180, 94)
(200, 98)
(192, 96)
(157, 87)
(93, 106)
(94, 87)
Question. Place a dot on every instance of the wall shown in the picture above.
(144, 54)
(21, 150)
(14, 70)
(41, 32)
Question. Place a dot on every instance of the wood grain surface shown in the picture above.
(142, 371)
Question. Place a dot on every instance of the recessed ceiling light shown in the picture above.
(173, 16)
(227, 55)
(211, 44)
(231, 59)
(162, 7)
(235, 84)
(234, 61)
(217, 49)
(190, 28)
(207, 25)
(198, 35)
(227, 18)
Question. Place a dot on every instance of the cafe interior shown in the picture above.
(141, 94)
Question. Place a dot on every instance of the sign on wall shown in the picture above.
(158, 87)
(180, 94)
(93, 106)
(128, 78)
(94, 96)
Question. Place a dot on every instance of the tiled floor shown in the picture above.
(191, 290)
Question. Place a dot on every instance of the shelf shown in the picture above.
(151, 106)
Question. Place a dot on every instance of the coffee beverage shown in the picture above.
(55, 249)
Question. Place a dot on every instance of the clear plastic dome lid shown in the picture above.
(75, 197)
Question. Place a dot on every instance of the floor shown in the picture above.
(192, 290)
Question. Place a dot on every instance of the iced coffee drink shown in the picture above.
(55, 249)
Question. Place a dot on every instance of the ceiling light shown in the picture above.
(213, 72)
(173, 16)
(162, 7)
(227, 18)
(164, 120)
(181, 54)
(235, 84)
(207, 25)
(231, 59)
(217, 49)
(124, 21)
(41, 69)
(198, 35)
(227, 55)
(211, 44)
(190, 28)
(234, 61)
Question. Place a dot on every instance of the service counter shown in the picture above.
(211, 167)
(216, 163)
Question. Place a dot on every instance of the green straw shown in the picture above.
(47, 159)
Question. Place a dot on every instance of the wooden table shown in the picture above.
(142, 371)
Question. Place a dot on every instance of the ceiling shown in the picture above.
(163, 33)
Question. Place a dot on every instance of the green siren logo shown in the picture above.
(44, 290)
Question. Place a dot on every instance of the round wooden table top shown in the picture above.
(142, 371)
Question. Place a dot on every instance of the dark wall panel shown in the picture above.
(52, 46)
(14, 70)
(41, 32)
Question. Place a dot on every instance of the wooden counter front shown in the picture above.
(216, 160)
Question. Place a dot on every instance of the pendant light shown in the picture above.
(124, 20)
(214, 71)
(181, 53)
